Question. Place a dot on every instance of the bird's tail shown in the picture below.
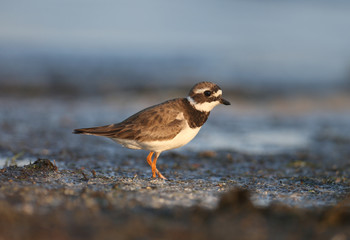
(99, 131)
(81, 131)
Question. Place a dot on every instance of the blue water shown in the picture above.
(237, 43)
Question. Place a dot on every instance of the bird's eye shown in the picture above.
(207, 93)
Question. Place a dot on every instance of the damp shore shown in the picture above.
(271, 169)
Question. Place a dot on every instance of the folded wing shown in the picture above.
(159, 122)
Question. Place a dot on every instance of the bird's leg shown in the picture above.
(154, 167)
(149, 161)
(149, 158)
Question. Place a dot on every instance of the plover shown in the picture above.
(165, 126)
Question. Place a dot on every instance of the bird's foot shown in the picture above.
(156, 173)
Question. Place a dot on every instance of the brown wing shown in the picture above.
(159, 122)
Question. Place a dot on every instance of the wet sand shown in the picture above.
(85, 187)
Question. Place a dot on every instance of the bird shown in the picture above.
(165, 126)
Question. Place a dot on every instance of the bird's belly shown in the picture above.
(181, 139)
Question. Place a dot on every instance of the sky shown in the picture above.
(268, 38)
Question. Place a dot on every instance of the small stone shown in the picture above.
(207, 154)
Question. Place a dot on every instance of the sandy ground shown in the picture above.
(84, 187)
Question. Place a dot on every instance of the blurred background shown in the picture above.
(284, 66)
(100, 47)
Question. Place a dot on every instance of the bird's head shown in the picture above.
(204, 96)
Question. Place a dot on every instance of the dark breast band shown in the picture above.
(194, 117)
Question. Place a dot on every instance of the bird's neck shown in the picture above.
(194, 117)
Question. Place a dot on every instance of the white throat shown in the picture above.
(203, 107)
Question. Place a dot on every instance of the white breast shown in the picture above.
(181, 139)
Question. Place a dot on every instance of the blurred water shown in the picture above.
(43, 127)
(267, 133)
(269, 141)
(262, 44)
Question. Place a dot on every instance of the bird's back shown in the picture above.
(159, 122)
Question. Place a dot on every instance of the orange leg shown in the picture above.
(149, 161)
(153, 165)
(149, 158)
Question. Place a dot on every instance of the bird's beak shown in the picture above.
(224, 101)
